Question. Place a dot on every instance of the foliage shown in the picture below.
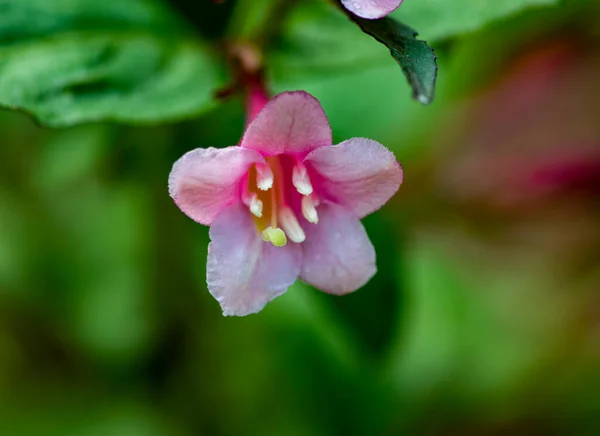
(481, 318)
(77, 62)
(135, 61)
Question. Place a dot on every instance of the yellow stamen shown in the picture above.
(273, 208)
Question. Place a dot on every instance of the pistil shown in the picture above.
(274, 236)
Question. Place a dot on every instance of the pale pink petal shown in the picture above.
(338, 256)
(360, 174)
(371, 9)
(292, 122)
(205, 181)
(243, 272)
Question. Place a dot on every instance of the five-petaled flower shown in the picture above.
(371, 9)
(284, 204)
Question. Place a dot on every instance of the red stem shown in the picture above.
(257, 97)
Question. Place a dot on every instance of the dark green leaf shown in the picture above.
(68, 62)
(23, 19)
(416, 58)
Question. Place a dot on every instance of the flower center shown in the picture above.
(274, 192)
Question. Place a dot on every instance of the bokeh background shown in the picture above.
(484, 317)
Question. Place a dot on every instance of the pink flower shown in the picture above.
(371, 9)
(285, 204)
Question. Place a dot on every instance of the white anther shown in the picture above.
(301, 180)
(264, 177)
(290, 225)
(309, 210)
(256, 206)
(253, 203)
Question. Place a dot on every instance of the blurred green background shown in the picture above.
(483, 319)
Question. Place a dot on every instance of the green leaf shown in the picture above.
(319, 44)
(76, 62)
(319, 40)
(438, 19)
(429, 339)
(22, 19)
(416, 58)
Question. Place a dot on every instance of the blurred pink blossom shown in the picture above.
(371, 9)
(533, 138)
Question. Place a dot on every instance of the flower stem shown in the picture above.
(256, 96)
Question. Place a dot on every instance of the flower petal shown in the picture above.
(205, 181)
(243, 272)
(371, 9)
(292, 122)
(338, 256)
(360, 174)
